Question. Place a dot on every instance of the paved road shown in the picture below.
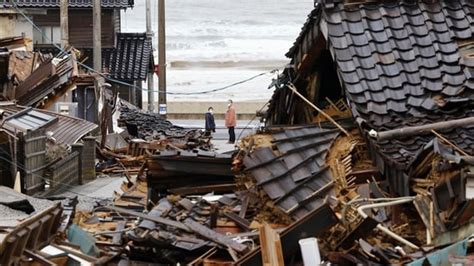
(244, 127)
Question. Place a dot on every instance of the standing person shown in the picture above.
(210, 124)
(231, 121)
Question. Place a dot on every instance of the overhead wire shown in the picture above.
(22, 167)
(62, 51)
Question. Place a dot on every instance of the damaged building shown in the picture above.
(366, 156)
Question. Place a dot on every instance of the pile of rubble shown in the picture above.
(381, 173)
(152, 126)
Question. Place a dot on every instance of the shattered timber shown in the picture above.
(366, 155)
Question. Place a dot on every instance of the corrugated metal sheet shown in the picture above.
(72, 3)
(66, 130)
(293, 172)
(27, 120)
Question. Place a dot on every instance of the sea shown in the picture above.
(215, 43)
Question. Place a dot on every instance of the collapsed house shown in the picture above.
(31, 143)
(401, 68)
(367, 148)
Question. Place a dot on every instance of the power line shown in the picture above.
(128, 84)
(22, 167)
(253, 118)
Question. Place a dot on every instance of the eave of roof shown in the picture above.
(132, 58)
(66, 130)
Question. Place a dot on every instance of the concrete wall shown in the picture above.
(15, 25)
(12, 25)
(196, 110)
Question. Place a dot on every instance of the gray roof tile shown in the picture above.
(132, 58)
(402, 66)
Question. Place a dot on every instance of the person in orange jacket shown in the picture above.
(231, 121)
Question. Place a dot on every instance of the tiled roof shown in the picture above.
(293, 172)
(72, 3)
(132, 58)
(401, 63)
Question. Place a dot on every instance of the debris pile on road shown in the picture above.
(152, 126)
(366, 156)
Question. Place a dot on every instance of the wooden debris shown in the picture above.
(214, 236)
(270, 246)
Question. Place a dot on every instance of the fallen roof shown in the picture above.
(51, 79)
(66, 129)
(295, 176)
(402, 63)
(172, 169)
(72, 3)
(132, 58)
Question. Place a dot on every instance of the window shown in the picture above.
(48, 35)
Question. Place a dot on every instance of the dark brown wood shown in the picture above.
(313, 224)
(159, 220)
(214, 216)
(362, 230)
(214, 236)
(424, 129)
(244, 206)
(429, 216)
(186, 203)
(361, 176)
(203, 189)
(38, 258)
(80, 26)
(238, 220)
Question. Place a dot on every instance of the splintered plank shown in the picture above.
(270, 246)
(314, 223)
(242, 222)
(430, 218)
(159, 220)
(214, 236)
(117, 236)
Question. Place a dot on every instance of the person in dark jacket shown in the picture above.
(210, 124)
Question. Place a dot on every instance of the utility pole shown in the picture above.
(97, 35)
(149, 34)
(97, 54)
(64, 22)
(161, 58)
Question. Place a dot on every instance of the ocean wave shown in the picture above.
(247, 64)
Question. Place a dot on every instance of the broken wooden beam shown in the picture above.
(406, 132)
(362, 230)
(314, 223)
(270, 246)
(194, 190)
(428, 216)
(159, 220)
(238, 220)
(214, 236)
